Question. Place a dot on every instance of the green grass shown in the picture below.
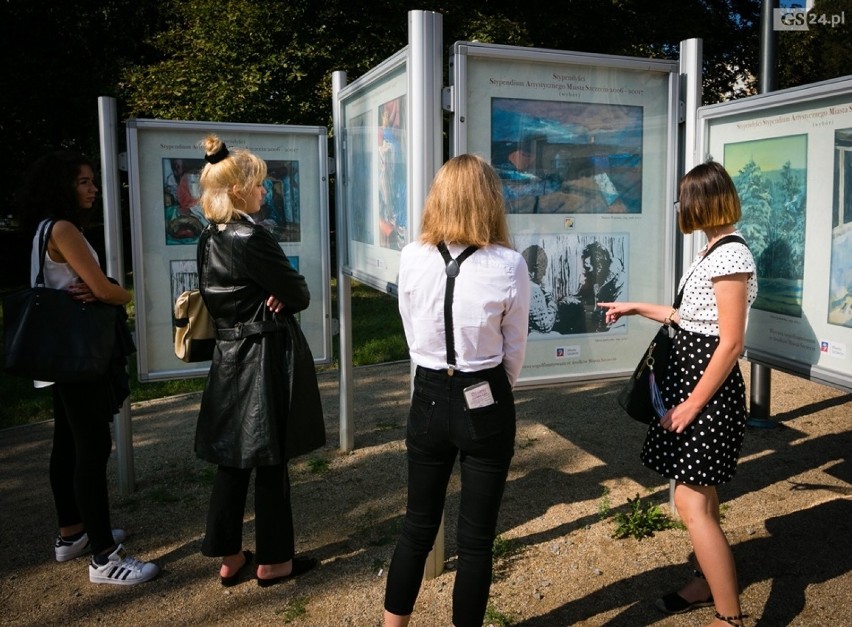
(642, 520)
(318, 465)
(377, 337)
(293, 609)
(377, 334)
(496, 618)
(504, 547)
(604, 505)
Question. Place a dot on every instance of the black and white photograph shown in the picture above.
(569, 275)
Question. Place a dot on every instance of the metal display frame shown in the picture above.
(164, 233)
(551, 85)
(364, 167)
(809, 128)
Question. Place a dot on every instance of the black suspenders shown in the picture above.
(452, 271)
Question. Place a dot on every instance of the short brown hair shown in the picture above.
(465, 205)
(707, 198)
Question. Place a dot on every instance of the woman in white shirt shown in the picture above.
(468, 349)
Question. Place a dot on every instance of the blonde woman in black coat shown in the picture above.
(248, 421)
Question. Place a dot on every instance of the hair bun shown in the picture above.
(217, 156)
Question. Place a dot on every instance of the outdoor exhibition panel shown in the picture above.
(585, 146)
(790, 155)
(164, 164)
(375, 116)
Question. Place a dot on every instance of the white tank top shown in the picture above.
(56, 275)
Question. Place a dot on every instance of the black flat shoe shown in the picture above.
(301, 565)
(235, 578)
(675, 604)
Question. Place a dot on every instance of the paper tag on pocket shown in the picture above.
(478, 395)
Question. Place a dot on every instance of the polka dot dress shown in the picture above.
(706, 453)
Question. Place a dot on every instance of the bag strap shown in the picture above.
(725, 240)
(452, 270)
(43, 238)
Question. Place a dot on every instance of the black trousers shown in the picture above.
(275, 542)
(441, 428)
(82, 443)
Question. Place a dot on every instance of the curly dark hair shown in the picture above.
(48, 190)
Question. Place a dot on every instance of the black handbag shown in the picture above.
(49, 336)
(640, 397)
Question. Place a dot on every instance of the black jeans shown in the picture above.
(82, 443)
(440, 427)
(274, 537)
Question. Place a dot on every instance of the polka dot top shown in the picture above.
(698, 310)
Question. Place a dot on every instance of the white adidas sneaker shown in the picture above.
(122, 570)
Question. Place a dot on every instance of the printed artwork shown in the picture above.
(840, 278)
(569, 275)
(280, 210)
(393, 226)
(183, 277)
(360, 182)
(183, 274)
(567, 157)
(770, 176)
(184, 217)
(181, 200)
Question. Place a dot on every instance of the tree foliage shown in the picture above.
(271, 61)
(58, 58)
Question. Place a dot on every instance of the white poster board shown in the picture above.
(585, 146)
(375, 116)
(164, 162)
(790, 155)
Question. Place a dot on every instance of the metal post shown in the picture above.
(691, 95)
(425, 79)
(344, 283)
(761, 376)
(114, 245)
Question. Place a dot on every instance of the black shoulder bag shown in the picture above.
(49, 336)
(640, 397)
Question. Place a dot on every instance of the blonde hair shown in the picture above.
(465, 205)
(226, 183)
(707, 198)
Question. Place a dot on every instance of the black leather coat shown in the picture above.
(248, 416)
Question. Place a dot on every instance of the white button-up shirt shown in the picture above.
(490, 308)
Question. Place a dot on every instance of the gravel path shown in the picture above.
(788, 514)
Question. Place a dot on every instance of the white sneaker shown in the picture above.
(122, 570)
(68, 550)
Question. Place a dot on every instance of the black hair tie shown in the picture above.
(217, 156)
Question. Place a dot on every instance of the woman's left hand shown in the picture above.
(274, 305)
(82, 292)
(678, 418)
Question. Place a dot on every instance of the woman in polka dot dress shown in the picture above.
(697, 442)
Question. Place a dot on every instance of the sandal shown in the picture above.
(673, 603)
(730, 619)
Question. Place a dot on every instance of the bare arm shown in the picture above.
(67, 245)
(616, 310)
(732, 302)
